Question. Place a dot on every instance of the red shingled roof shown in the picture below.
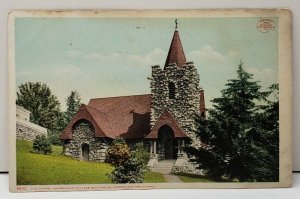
(176, 53)
(167, 119)
(97, 119)
(129, 116)
(125, 116)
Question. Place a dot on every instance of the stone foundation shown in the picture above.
(183, 165)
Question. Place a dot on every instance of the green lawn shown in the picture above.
(39, 169)
(152, 177)
(197, 178)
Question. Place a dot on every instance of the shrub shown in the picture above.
(141, 153)
(129, 167)
(54, 138)
(42, 145)
(118, 152)
(131, 171)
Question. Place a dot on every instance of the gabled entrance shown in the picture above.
(166, 138)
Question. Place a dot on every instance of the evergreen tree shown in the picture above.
(41, 144)
(232, 138)
(128, 167)
(73, 104)
(141, 153)
(130, 171)
(44, 106)
(267, 132)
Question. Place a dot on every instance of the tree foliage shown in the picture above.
(130, 171)
(129, 166)
(42, 145)
(73, 102)
(240, 137)
(118, 152)
(44, 106)
(54, 137)
(267, 132)
(140, 153)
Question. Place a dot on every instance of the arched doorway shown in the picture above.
(85, 152)
(167, 145)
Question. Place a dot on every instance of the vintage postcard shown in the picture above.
(106, 100)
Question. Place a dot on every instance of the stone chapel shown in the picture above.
(163, 120)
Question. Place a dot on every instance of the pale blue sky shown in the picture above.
(113, 57)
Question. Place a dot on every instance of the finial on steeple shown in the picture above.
(176, 53)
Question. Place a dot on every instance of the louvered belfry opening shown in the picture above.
(171, 88)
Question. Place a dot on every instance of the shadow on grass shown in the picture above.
(186, 177)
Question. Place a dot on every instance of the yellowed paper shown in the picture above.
(105, 54)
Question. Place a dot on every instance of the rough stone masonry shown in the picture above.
(185, 105)
(26, 130)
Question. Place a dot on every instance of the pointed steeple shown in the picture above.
(176, 53)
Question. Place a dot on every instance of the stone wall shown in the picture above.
(22, 113)
(185, 106)
(26, 130)
(83, 133)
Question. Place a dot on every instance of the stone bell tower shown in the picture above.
(175, 89)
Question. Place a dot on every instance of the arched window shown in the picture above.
(171, 87)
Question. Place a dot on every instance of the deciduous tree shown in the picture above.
(43, 104)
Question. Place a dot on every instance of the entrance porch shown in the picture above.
(167, 140)
(167, 145)
(166, 150)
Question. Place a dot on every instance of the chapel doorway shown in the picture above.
(167, 145)
(85, 152)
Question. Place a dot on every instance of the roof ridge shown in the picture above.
(120, 96)
(110, 110)
(91, 115)
(94, 109)
(96, 120)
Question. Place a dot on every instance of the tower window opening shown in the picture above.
(171, 87)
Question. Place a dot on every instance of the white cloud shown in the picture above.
(154, 57)
(266, 76)
(63, 71)
(233, 54)
(68, 70)
(94, 56)
(74, 53)
(262, 74)
(206, 54)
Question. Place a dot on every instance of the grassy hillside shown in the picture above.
(39, 169)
